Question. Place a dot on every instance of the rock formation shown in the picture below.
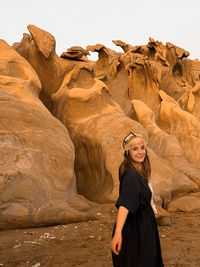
(38, 48)
(64, 118)
(37, 179)
(96, 125)
(75, 52)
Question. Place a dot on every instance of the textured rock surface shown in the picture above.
(187, 204)
(38, 48)
(96, 125)
(75, 52)
(165, 145)
(151, 89)
(183, 125)
(37, 180)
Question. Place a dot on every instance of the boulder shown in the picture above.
(167, 182)
(185, 204)
(37, 180)
(75, 52)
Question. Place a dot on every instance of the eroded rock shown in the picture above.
(75, 52)
(186, 204)
(97, 126)
(37, 180)
(151, 89)
(38, 48)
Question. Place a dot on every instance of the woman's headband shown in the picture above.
(126, 145)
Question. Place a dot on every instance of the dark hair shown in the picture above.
(128, 164)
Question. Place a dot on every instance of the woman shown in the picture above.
(135, 241)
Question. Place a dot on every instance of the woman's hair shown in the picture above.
(128, 164)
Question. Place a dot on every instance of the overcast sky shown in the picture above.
(87, 22)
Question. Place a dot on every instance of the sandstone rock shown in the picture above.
(13, 215)
(123, 45)
(45, 42)
(97, 126)
(167, 182)
(37, 177)
(129, 76)
(190, 70)
(155, 85)
(174, 53)
(114, 74)
(162, 212)
(183, 125)
(17, 77)
(164, 217)
(190, 100)
(164, 221)
(186, 204)
(165, 145)
(39, 50)
(108, 62)
(75, 52)
(172, 84)
(142, 79)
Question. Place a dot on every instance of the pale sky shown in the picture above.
(87, 22)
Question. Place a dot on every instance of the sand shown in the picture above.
(87, 244)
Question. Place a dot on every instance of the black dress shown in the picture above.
(140, 238)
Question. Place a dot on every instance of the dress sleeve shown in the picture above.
(129, 192)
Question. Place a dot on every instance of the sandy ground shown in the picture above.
(87, 244)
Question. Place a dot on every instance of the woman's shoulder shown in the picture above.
(131, 175)
(131, 172)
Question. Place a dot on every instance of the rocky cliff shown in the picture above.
(63, 120)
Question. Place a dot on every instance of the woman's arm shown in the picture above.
(153, 204)
(116, 241)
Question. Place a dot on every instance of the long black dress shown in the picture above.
(140, 239)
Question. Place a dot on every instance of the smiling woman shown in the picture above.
(135, 239)
(135, 155)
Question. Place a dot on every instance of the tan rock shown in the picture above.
(143, 79)
(129, 76)
(190, 70)
(164, 221)
(108, 61)
(186, 204)
(172, 84)
(97, 127)
(156, 85)
(75, 52)
(37, 155)
(13, 214)
(123, 45)
(183, 125)
(190, 100)
(174, 53)
(165, 145)
(39, 50)
(45, 42)
(167, 182)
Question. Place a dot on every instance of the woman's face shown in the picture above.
(137, 151)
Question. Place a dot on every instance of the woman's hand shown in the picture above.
(116, 243)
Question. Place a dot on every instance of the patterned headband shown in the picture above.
(128, 138)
